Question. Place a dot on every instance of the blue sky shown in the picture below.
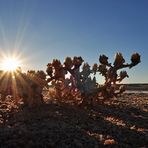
(40, 30)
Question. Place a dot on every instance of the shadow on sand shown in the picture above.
(65, 126)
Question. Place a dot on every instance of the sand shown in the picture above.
(123, 123)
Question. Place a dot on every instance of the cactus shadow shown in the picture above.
(53, 125)
(129, 115)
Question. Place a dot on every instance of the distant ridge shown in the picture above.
(137, 86)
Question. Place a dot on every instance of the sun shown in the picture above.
(10, 64)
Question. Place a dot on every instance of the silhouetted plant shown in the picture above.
(26, 86)
(30, 86)
(73, 81)
(80, 82)
(110, 72)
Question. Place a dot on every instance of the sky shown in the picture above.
(37, 31)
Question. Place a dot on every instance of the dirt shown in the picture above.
(122, 123)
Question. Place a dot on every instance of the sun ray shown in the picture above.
(10, 64)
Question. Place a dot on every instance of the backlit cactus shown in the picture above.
(81, 81)
(30, 86)
(23, 86)
(73, 81)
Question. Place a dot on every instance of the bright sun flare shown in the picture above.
(10, 64)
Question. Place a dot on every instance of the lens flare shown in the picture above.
(10, 64)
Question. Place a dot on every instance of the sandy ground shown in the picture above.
(124, 123)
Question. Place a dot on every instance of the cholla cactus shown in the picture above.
(110, 72)
(80, 81)
(72, 81)
(29, 86)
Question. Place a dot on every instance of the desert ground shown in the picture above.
(122, 123)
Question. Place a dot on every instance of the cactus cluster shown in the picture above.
(82, 77)
(73, 80)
